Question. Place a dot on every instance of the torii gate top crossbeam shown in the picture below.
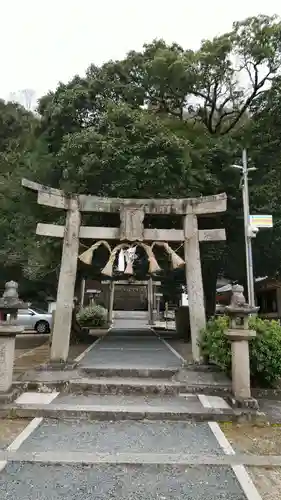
(88, 203)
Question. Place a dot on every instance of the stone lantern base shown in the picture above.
(7, 353)
(241, 367)
(239, 335)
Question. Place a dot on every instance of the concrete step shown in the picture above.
(133, 333)
(113, 385)
(127, 385)
(81, 383)
(203, 380)
(115, 413)
(121, 371)
(119, 407)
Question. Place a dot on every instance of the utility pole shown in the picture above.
(249, 232)
(248, 236)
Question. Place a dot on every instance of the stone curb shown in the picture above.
(74, 457)
(113, 413)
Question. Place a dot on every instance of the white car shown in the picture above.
(34, 319)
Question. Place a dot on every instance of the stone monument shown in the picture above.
(9, 306)
(239, 334)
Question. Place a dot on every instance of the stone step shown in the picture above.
(136, 385)
(115, 412)
(121, 371)
(139, 333)
(119, 407)
(81, 383)
(127, 385)
(201, 380)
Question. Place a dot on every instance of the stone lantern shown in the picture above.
(158, 297)
(9, 306)
(239, 334)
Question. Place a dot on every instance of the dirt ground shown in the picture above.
(253, 440)
(30, 358)
(27, 359)
(9, 430)
(267, 481)
(183, 348)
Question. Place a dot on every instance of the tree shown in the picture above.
(20, 156)
(214, 85)
(252, 50)
(129, 153)
(264, 141)
(162, 122)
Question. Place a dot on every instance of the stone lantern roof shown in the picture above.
(10, 300)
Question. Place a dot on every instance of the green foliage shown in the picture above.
(265, 352)
(92, 316)
(265, 349)
(202, 86)
(264, 142)
(129, 153)
(215, 345)
(21, 254)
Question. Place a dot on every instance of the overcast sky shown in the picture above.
(44, 42)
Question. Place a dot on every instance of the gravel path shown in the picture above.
(46, 482)
(124, 436)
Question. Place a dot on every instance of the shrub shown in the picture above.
(93, 315)
(265, 352)
(215, 345)
(265, 349)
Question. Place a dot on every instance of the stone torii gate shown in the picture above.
(132, 213)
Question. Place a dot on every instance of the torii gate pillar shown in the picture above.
(66, 285)
(194, 283)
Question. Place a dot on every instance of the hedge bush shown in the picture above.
(265, 349)
(93, 315)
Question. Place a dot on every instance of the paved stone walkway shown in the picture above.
(113, 441)
(131, 349)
